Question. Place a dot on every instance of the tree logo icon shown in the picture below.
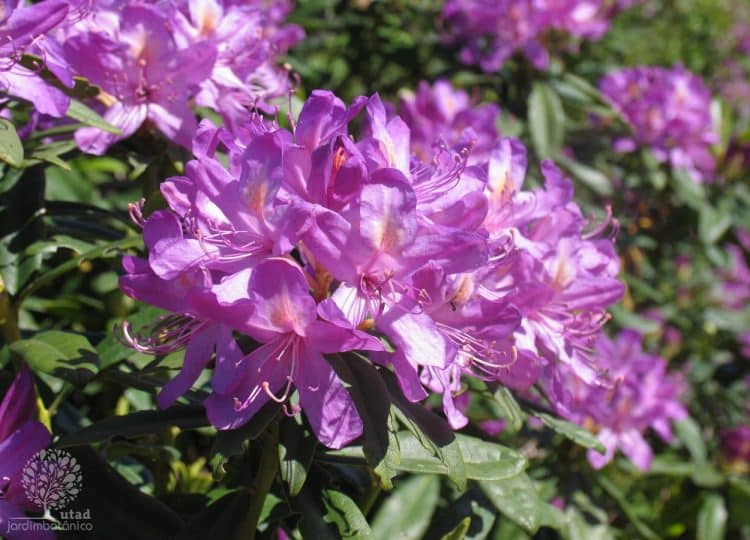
(52, 479)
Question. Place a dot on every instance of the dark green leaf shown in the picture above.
(313, 524)
(221, 519)
(118, 510)
(380, 446)
(459, 533)
(62, 354)
(296, 451)
(137, 423)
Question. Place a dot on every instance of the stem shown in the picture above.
(99, 251)
(267, 468)
(8, 319)
(9, 322)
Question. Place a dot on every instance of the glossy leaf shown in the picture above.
(345, 515)
(511, 410)
(62, 354)
(572, 431)
(82, 113)
(11, 149)
(373, 405)
(407, 512)
(296, 451)
(546, 121)
(517, 499)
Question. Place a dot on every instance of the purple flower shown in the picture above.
(491, 31)
(132, 56)
(294, 334)
(745, 344)
(248, 37)
(21, 437)
(735, 285)
(669, 112)
(735, 445)
(22, 29)
(443, 116)
(640, 395)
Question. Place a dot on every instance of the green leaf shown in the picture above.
(511, 410)
(344, 513)
(416, 447)
(580, 529)
(82, 113)
(11, 149)
(432, 432)
(489, 461)
(51, 154)
(136, 424)
(104, 250)
(312, 523)
(62, 354)
(713, 223)
(296, 451)
(630, 511)
(572, 431)
(481, 460)
(459, 533)
(594, 179)
(233, 442)
(379, 440)
(706, 475)
(691, 193)
(712, 518)
(517, 498)
(546, 121)
(408, 510)
(689, 433)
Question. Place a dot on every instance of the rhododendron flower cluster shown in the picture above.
(669, 111)
(641, 395)
(493, 30)
(21, 436)
(322, 240)
(152, 61)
